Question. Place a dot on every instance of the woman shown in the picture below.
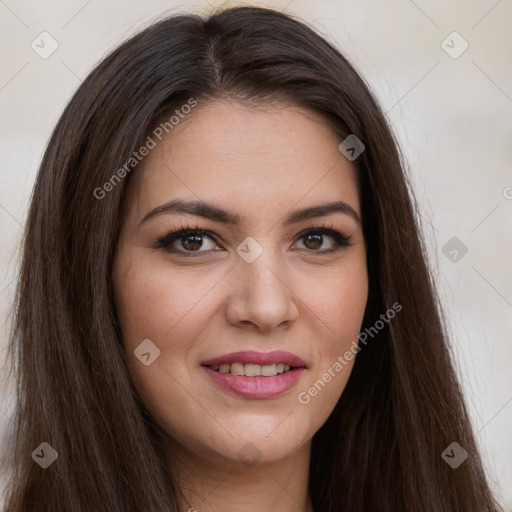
(224, 300)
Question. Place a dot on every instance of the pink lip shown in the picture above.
(256, 387)
(253, 357)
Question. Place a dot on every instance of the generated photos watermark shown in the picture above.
(342, 361)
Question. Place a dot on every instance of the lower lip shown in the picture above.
(256, 387)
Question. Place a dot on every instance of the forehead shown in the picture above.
(254, 159)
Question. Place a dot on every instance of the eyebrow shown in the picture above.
(216, 214)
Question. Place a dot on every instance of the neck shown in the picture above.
(215, 484)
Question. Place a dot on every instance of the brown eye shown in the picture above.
(314, 239)
(191, 242)
(187, 241)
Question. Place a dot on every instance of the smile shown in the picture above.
(253, 374)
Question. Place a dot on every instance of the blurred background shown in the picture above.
(442, 72)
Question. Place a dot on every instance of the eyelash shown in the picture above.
(340, 240)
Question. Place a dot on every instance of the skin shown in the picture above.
(260, 163)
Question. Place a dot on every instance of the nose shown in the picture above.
(261, 295)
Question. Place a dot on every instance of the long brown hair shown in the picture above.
(380, 449)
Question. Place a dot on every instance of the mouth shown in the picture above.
(252, 374)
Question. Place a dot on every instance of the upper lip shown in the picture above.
(254, 357)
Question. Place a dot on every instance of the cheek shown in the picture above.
(337, 302)
(160, 306)
(172, 311)
(336, 307)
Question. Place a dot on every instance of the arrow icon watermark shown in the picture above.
(147, 352)
(351, 147)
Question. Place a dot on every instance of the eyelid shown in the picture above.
(174, 234)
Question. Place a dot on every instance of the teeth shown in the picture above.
(237, 369)
(252, 370)
(269, 370)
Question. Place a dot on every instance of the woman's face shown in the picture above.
(257, 283)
